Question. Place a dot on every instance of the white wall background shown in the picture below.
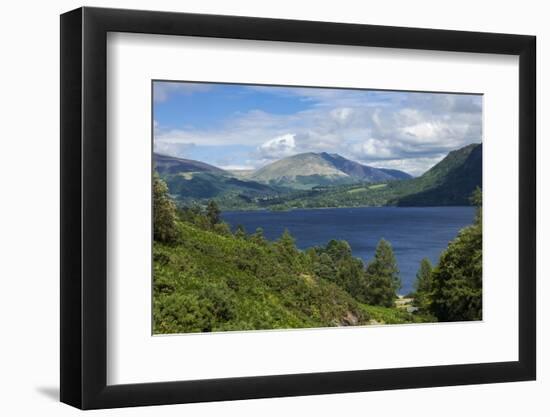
(29, 225)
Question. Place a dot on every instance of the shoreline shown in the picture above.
(267, 210)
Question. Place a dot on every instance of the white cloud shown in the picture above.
(278, 147)
(373, 148)
(237, 167)
(383, 128)
(178, 149)
(413, 166)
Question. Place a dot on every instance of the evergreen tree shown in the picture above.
(287, 243)
(258, 237)
(423, 285)
(457, 279)
(213, 212)
(335, 263)
(240, 232)
(382, 276)
(285, 247)
(338, 250)
(164, 212)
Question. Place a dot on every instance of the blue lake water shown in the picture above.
(414, 232)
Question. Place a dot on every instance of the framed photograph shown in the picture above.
(257, 208)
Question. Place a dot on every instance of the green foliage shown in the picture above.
(164, 212)
(335, 263)
(382, 276)
(423, 285)
(258, 237)
(457, 279)
(211, 282)
(213, 212)
(240, 233)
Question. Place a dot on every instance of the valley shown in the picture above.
(322, 180)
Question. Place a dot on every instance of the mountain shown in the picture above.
(313, 180)
(363, 172)
(193, 187)
(192, 182)
(309, 170)
(450, 182)
(166, 165)
(396, 174)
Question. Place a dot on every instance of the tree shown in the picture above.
(336, 263)
(213, 212)
(258, 237)
(287, 243)
(285, 247)
(382, 276)
(457, 279)
(423, 285)
(240, 233)
(164, 212)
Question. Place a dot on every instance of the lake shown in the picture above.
(414, 232)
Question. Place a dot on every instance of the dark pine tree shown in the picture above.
(240, 232)
(382, 276)
(423, 285)
(258, 237)
(213, 212)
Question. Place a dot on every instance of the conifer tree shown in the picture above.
(258, 237)
(382, 276)
(240, 232)
(164, 212)
(213, 212)
(423, 285)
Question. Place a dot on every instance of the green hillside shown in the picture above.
(166, 165)
(196, 187)
(450, 182)
(210, 282)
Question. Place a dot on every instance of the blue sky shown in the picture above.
(245, 127)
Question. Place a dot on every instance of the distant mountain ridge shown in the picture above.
(450, 182)
(166, 164)
(357, 170)
(191, 181)
(308, 170)
(314, 180)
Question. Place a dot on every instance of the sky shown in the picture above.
(248, 126)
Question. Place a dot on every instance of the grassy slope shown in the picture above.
(210, 282)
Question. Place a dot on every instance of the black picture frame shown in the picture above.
(84, 207)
